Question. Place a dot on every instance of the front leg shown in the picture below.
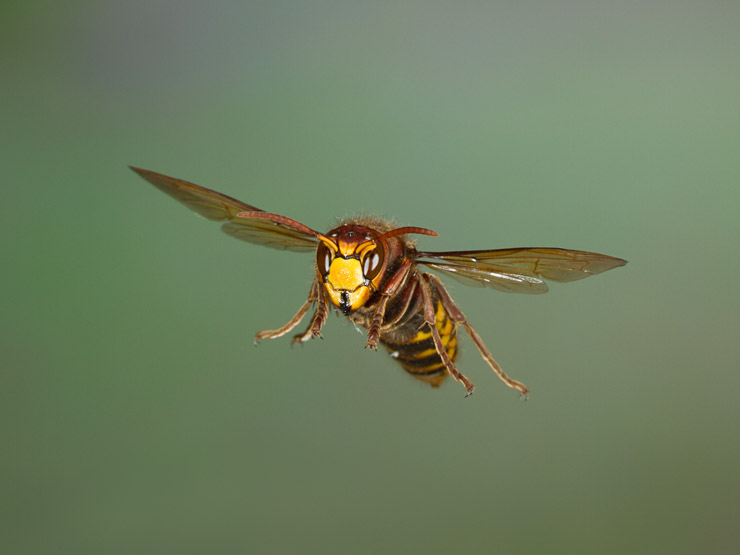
(273, 334)
(390, 287)
(313, 329)
(319, 317)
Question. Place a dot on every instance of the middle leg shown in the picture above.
(392, 285)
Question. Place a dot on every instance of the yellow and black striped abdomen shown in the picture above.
(413, 347)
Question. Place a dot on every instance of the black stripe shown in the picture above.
(410, 347)
(411, 341)
(423, 372)
(419, 362)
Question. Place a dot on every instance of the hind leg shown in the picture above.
(430, 321)
(459, 318)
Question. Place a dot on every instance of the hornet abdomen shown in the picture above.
(411, 344)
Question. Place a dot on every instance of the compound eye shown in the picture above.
(323, 259)
(372, 263)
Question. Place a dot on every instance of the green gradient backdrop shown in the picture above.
(137, 417)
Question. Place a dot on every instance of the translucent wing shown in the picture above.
(521, 270)
(222, 208)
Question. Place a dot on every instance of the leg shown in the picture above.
(272, 334)
(430, 320)
(459, 319)
(319, 317)
(396, 280)
(374, 334)
(309, 333)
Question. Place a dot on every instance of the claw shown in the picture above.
(372, 340)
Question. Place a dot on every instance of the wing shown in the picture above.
(222, 208)
(520, 270)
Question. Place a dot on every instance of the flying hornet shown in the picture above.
(374, 274)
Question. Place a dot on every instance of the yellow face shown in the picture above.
(346, 285)
(349, 265)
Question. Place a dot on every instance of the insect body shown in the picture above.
(370, 271)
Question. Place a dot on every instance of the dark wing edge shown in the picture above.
(218, 207)
(519, 270)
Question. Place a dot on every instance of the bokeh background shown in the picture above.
(137, 416)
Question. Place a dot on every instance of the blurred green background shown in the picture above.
(137, 416)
